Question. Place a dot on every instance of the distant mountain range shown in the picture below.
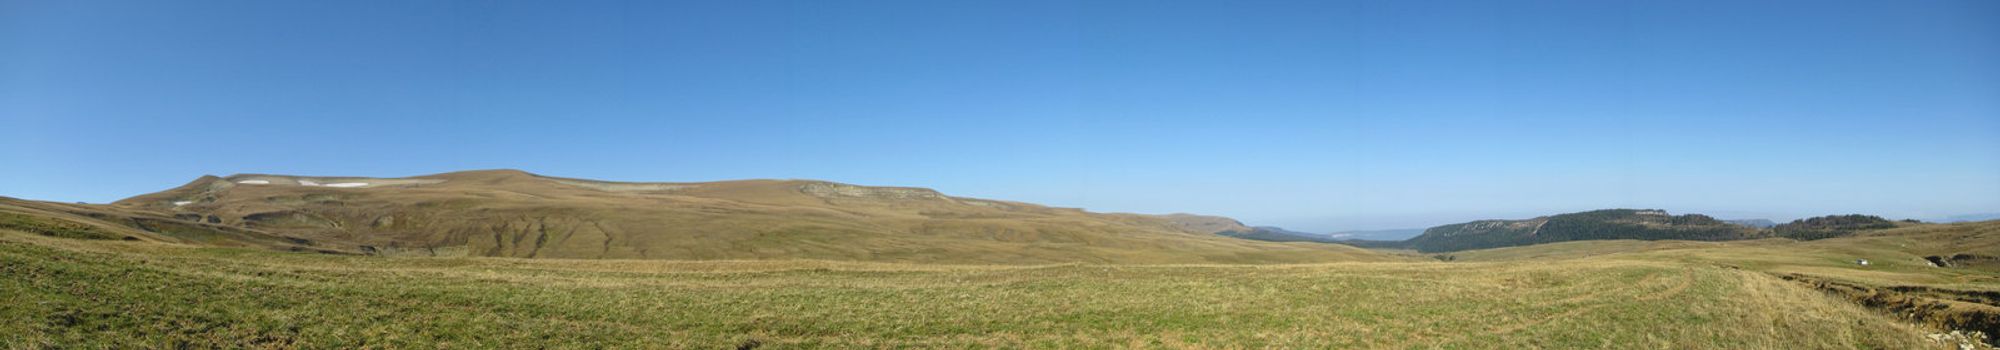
(1640, 224)
(1378, 235)
(1278, 234)
(1830, 226)
(1969, 218)
(1597, 224)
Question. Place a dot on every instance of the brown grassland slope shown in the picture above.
(506, 213)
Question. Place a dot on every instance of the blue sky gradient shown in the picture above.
(1312, 115)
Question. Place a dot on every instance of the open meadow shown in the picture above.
(79, 293)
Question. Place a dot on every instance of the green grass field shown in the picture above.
(110, 294)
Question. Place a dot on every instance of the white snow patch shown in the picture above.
(181, 203)
(347, 184)
(255, 182)
(308, 183)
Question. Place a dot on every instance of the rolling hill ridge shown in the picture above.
(510, 213)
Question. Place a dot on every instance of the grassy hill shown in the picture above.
(505, 213)
(120, 294)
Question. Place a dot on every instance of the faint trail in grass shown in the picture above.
(1687, 280)
(1511, 328)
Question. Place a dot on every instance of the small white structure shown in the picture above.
(1862, 262)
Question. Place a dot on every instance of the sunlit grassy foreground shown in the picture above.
(74, 293)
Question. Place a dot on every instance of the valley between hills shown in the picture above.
(510, 259)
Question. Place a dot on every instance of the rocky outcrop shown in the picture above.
(840, 190)
(1205, 223)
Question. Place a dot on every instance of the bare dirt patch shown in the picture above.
(1941, 308)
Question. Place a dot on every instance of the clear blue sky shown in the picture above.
(1314, 115)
